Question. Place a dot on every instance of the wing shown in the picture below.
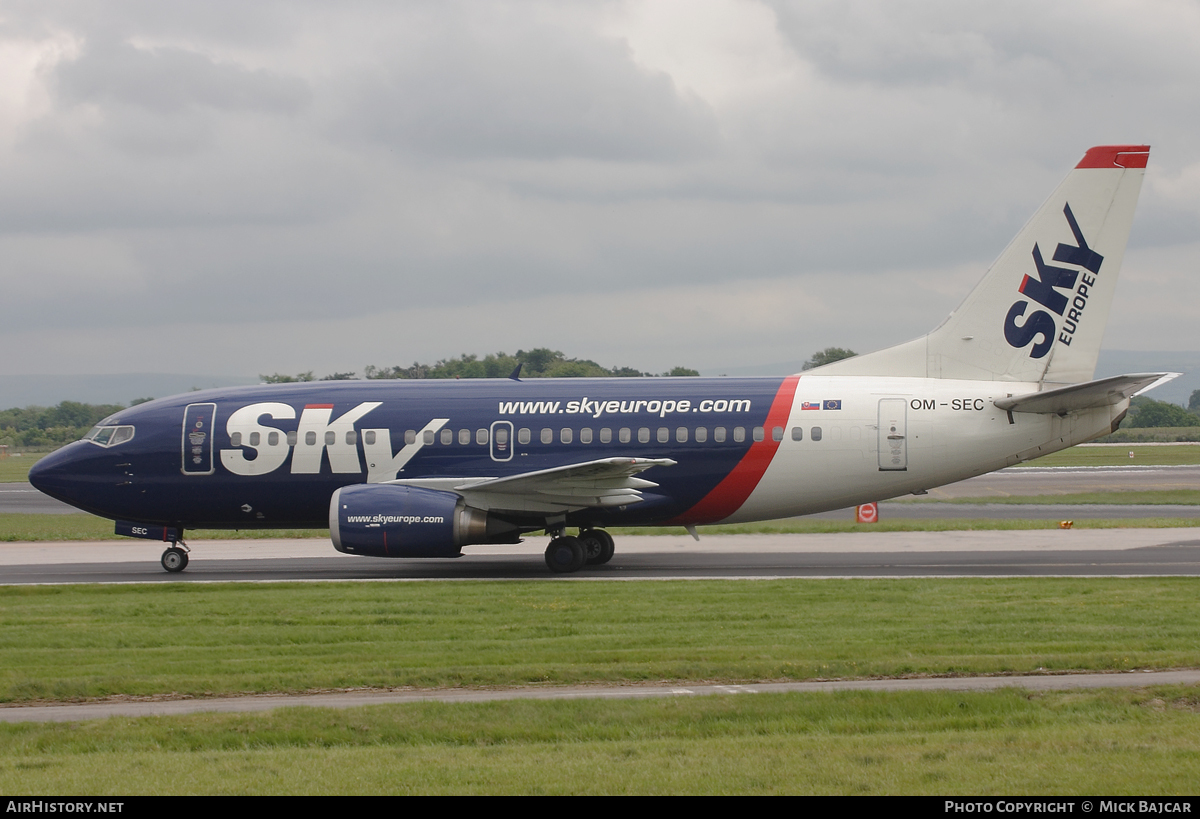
(603, 483)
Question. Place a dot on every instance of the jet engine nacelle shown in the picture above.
(403, 521)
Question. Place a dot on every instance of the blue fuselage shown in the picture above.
(271, 456)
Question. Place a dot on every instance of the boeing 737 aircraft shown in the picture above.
(423, 468)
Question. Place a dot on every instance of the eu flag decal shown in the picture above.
(832, 404)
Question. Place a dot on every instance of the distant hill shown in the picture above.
(122, 388)
(49, 390)
(1112, 362)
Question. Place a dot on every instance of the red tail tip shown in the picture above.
(1115, 156)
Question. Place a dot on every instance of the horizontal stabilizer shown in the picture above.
(1102, 393)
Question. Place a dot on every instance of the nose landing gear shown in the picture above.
(175, 558)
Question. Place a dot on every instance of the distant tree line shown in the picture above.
(1146, 412)
(59, 425)
(51, 426)
(540, 362)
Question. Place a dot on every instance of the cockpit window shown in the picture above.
(110, 435)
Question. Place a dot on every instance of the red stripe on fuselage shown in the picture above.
(729, 495)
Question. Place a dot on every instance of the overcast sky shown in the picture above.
(244, 188)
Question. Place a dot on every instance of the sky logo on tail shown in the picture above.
(1040, 327)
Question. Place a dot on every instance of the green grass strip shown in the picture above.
(77, 642)
(18, 528)
(1139, 743)
(1175, 455)
(1166, 497)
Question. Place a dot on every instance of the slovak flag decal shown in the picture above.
(807, 405)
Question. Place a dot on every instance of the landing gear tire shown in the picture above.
(597, 545)
(565, 555)
(174, 559)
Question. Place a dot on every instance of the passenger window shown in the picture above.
(739, 434)
(664, 435)
(585, 435)
(681, 435)
(255, 438)
(757, 433)
(719, 435)
(816, 433)
(410, 436)
(797, 433)
(369, 437)
(330, 438)
(606, 436)
(464, 436)
(501, 435)
(701, 434)
(291, 438)
(776, 433)
(481, 436)
(643, 435)
(235, 439)
(272, 438)
(351, 437)
(547, 435)
(623, 436)
(447, 436)
(566, 435)
(427, 437)
(523, 435)
(310, 438)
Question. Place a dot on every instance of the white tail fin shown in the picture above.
(1039, 312)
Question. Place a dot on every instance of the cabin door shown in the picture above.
(893, 435)
(198, 439)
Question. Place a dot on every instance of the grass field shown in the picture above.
(1009, 742)
(1143, 455)
(1184, 497)
(15, 470)
(72, 642)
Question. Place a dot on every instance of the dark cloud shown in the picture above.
(480, 84)
(167, 81)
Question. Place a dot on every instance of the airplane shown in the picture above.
(422, 468)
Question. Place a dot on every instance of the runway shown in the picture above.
(1024, 553)
(71, 712)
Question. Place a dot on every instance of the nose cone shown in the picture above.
(58, 474)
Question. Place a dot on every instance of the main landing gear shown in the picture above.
(175, 558)
(567, 554)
